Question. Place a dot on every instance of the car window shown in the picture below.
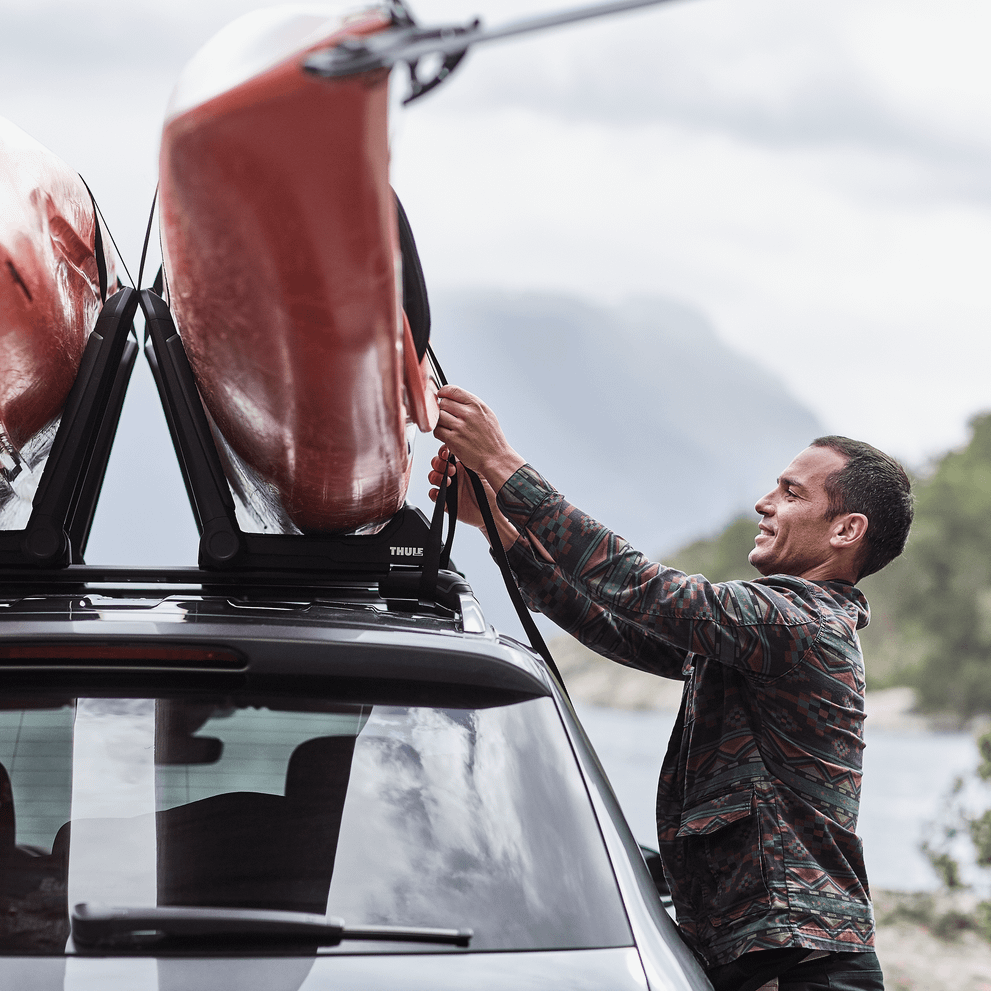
(380, 815)
(36, 751)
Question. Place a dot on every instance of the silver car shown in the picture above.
(207, 783)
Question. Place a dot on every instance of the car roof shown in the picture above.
(180, 625)
(379, 605)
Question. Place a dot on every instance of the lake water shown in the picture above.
(907, 776)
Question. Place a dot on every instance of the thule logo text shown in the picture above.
(406, 551)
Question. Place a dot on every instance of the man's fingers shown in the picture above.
(457, 394)
(435, 478)
(447, 419)
(442, 464)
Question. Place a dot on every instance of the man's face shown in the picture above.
(794, 533)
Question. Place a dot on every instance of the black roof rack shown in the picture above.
(48, 553)
(397, 584)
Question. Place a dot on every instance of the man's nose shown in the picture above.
(764, 506)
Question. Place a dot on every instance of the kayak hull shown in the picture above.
(283, 270)
(49, 285)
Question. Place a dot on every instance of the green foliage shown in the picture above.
(720, 558)
(944, 921)
(979, 826)
(984, 749)
(980, 833)
(946, 867)
(945, 598)
(954, 819)
(931, 608)
(958, 818)
(982, 920)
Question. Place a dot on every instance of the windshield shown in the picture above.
(371, 815)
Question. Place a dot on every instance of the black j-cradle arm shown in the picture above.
(213, 506)
(63, 508)
(404, 542)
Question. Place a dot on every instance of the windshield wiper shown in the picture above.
(409, 934)
(94, 925)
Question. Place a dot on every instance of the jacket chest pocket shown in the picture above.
(723, 856)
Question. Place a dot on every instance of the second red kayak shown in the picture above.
(50, 294)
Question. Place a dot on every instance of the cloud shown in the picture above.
(806, 170)
(901, 78)
(781, 74)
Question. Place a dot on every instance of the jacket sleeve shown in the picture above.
(545, 590)
(763, 627)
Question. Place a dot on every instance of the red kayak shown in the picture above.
(49, 286)
(282, 265)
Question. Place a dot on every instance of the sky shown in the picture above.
(814, 175)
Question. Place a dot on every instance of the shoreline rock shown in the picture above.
(924, 945)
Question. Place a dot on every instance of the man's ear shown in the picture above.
(849, 531)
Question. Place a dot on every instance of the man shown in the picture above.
(760, 788)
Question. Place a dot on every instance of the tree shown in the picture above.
(943, 599)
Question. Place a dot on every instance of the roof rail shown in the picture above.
(398, 585)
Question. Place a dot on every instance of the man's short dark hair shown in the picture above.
(873, 484)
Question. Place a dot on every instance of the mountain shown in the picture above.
(638, 413)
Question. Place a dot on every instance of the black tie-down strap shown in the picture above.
(415, 301)
(502, 559)
(436, 556)
(101, 255)
(102, 265)
(498, 551)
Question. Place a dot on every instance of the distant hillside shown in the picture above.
(639, 414)
(935, 603)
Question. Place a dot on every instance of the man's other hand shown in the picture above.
(468, 511)
(471, 430)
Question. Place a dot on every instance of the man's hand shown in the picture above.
(470, 429)
(468, 511)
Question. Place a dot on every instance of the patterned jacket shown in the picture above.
(759, 791)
